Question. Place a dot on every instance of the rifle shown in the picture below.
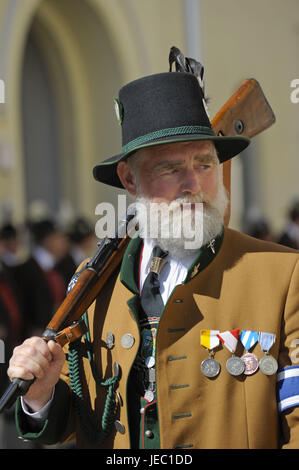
(246, 113)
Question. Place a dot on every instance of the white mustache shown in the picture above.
(191, 199)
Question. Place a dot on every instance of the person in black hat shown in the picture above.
(83, 243)
(11, 305)
(185, 342)
(41, 285)
(10, 240)
(260, 228)
(290, 236)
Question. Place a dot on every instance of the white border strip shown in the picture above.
(288, 402)
(292, 371)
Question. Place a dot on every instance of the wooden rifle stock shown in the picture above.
(87, 287)
(246, 113)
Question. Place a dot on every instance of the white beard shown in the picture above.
(177, 229)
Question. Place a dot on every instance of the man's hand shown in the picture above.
(44, 361)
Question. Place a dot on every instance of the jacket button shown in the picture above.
(119, 427)
(110, 340)
(127, 341)
(149, 433)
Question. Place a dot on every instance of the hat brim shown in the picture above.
(227, 148)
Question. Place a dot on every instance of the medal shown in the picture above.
(234, 364)
(210, 368)
(268, 363)
(248, 339)
(251, 363)
(209, 340)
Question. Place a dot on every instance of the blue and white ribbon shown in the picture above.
(249, 338)
(288, 388)
(266, 340)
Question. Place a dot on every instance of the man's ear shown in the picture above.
(126, 177)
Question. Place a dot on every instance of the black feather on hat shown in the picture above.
(165, 108)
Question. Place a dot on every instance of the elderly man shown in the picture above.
(187, 347)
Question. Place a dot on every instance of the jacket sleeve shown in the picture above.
(59, 426)
(288, 374)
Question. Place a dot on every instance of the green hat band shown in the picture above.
(184, 130)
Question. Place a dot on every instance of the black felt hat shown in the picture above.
(164, 108)
(79, 230)
(42, 229)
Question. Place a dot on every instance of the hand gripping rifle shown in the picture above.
(246, 113)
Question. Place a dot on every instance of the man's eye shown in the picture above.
(204, 167)
(170, 171)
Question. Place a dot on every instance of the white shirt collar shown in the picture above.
(172, 274)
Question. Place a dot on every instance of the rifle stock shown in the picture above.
(246, 113)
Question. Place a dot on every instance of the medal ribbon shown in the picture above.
(249, 338)
(230, 339)
(266, 340)
(209, 339)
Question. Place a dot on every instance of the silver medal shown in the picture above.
(251, 363)
(235, 365)
(210, 367)
(268, 365)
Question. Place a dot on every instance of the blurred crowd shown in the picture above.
(37, 261)
(260, 228)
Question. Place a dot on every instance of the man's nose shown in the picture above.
(190, 183)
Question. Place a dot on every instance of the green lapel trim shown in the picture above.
(205, 256)
(129, 271)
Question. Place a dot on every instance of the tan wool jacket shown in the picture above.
(250, 285)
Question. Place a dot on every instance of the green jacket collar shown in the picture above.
(129, 272)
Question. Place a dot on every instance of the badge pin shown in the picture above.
(149, 395)
(150, 361)
(195, 270)
(118, 110)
